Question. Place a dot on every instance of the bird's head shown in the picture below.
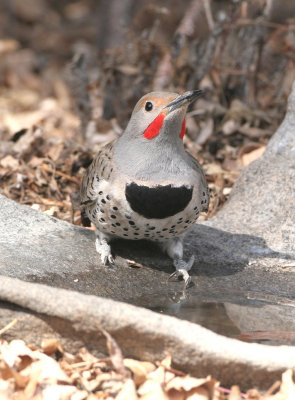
(152, 145)
(161, 113)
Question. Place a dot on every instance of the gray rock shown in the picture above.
(248, 246)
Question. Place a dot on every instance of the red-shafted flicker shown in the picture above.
(145, 185)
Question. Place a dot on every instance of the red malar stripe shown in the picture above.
(154, 128)
(182, 129)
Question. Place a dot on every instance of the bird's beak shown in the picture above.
(185, 98)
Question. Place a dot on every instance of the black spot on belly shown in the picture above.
(158, 202)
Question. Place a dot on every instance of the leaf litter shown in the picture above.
(28, 372)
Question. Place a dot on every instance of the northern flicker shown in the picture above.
(145, 185)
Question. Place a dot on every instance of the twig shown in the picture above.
(81, 364)
(8, 326)
(228, 391)
(208, 12)
(272, 389)
(59, 173)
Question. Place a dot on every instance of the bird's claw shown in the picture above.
(182, 268)
(182, 273)
(107, 259)
(111, 259)
(104, 249)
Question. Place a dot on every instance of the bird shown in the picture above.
(144, 184)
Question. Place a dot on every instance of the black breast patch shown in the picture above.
(157, 202)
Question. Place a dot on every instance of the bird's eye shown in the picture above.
(148, 106)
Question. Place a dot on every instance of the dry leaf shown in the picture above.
(9, 162)
(233, 166)
(253, 394)
(176, 395)
(152, 390)
(226, 191)
(5, 370)
(12, 352)
(287, 390)
(128, 391)
(199, 393)
(63, 392)
(20, 380)
(133, 263)
(166, 362)
(29, 368)
(213, 169)
(115, 354)
(186, 383)
(194, 388)
(51, 371)
(6, 389)
(235, 393)
(87, 357)
(127, 69)
(252, 156)
(50, 346)
(230, 126)
(139, 369)
(8, 45)
(160, 375)
(36, 162)
(55, 150)
(30, 388)
(52, 211)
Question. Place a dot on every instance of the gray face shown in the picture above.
(146, 111)
(140, 156)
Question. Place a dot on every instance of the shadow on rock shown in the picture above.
(217, 252)
(221, 253)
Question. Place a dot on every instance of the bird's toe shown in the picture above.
(182, 273)
(104, 250)
(182, 267)
(111, 259)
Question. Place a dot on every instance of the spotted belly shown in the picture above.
(141, 215)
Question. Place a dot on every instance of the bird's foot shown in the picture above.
(104, 249)
(182, 267)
